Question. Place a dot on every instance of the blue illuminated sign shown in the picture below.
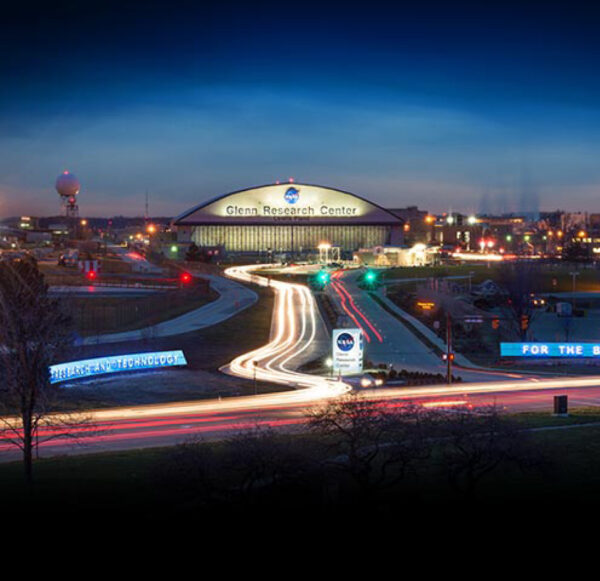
(550, 349)
(115, 364)
(291, 195)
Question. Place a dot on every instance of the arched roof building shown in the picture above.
(289, 217)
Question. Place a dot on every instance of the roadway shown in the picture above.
(94, 290)
(297, 336)
(169, 424)
(387, 340)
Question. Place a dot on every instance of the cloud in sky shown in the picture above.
(432, 103)
(213, 141)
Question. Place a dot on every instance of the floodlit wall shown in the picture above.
(289, 238)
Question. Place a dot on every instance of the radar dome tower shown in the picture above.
(68, 186)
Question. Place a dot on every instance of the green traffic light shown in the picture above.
(323, 277)
(370, 276)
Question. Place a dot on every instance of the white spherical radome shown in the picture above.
(67, 184)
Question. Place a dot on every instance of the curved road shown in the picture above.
(295, 337)
(387, 340)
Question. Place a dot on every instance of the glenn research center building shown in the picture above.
(289, 218)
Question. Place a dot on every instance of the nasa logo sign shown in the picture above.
(347, 350)
(345, 342)
(291, 195)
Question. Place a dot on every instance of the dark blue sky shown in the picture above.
(438, 104)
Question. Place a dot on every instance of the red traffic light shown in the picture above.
(91, 275)
(185, 277)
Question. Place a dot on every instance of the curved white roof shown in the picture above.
(288, 203)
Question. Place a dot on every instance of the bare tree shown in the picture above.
(34, 331)
(264, 459)
(372, 444)
(476, 442)
(192, 473)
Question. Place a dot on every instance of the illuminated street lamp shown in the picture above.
(329, 363)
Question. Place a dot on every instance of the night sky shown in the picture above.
(448, 105)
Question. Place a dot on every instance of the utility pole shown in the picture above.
(574, 274)
(448, 348)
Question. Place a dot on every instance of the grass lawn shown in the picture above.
(206, 350)
(588, 279)
(99, 315)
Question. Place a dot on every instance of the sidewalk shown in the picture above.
(233, 299)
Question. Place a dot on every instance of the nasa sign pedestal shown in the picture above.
(348, 350)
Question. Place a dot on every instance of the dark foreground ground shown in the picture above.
(268, 479)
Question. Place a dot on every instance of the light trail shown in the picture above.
(294, 332)
(342, 291)
(294, 320)
(490, 387)
(349, 312)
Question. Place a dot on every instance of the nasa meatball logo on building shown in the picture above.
(347, 351)
(291, 195)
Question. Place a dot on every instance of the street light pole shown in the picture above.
(448, 349)
(329, 363)
(255, 386)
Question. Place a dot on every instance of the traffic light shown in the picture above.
(320, 280)
(524, 322)
(370, 279)
(91, 275)
(323, 277)
(185, 277)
